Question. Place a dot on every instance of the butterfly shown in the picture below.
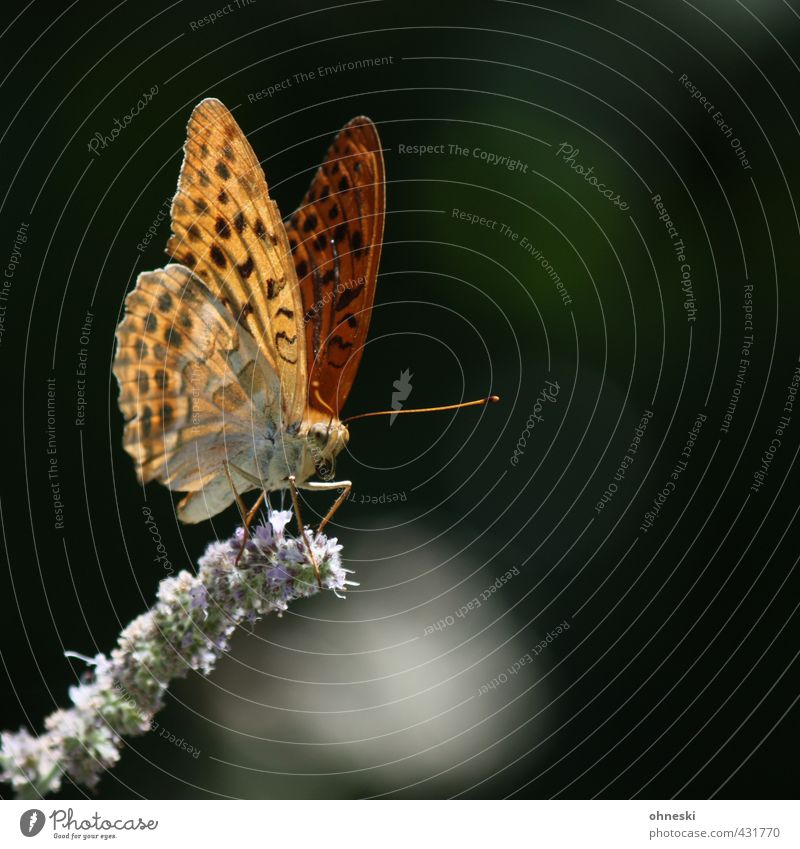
(234, 361)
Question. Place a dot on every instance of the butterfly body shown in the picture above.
(303, 452)
(235, 359)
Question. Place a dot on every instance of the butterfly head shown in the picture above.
(323, 442)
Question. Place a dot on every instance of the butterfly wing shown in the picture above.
(195, 390)
(228, 230)
(336, 236)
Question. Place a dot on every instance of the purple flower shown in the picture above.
(277, 574)
(199, 597)
(279, 519)
(262, 534)
(127, 688)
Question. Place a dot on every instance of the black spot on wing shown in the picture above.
(282, 340)
(349, 318)
(173, 337)
(245, 268)
(348, 296)
(274, 287)
(146, 420)
(218, 256)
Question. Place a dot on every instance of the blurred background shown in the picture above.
(599, 186)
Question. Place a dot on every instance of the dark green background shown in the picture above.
(678, 675)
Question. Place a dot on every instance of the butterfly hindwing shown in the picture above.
(194, 388)
(336, 236)
(228, 230)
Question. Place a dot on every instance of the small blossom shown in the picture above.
(279, 519)
(199, 597)
(262, 535)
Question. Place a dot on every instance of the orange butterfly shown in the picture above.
(233, 365)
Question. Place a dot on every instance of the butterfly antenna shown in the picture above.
(492, 399)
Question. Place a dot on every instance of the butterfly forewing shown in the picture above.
(336, 236)
(229, 232)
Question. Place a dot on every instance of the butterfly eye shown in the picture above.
(318, 435)
(317, 439)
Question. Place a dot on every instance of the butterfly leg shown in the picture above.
(236, 497)
(296, 503)
(253, 480)
(248, 520)
(326, 486)
(247, 515)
